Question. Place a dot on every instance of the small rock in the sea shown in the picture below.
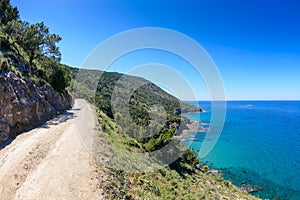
(214, 171)
(276, 198)
(250, 189)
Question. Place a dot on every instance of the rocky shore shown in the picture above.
(192, 126)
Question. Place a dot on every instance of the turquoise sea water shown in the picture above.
(259, 145)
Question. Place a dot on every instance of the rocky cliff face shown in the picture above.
(24, 105)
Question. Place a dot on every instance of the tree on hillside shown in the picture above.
(34, 39)
(38, 42)
(7, 12)
(59, 78)
(30, 49)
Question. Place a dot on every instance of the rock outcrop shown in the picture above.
(25, 105)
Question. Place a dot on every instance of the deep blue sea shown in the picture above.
(259, 145)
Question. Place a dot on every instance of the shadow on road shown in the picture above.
(60, 118)
(69, 114)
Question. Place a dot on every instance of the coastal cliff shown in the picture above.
(24, 105)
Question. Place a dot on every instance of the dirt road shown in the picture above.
(52, 162)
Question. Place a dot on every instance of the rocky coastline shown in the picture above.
(191, 126)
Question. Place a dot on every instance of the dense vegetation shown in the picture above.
(141, 110)
(30, 49)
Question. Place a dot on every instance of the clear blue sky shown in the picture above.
(255, 44)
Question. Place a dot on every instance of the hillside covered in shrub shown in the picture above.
(138, 118)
